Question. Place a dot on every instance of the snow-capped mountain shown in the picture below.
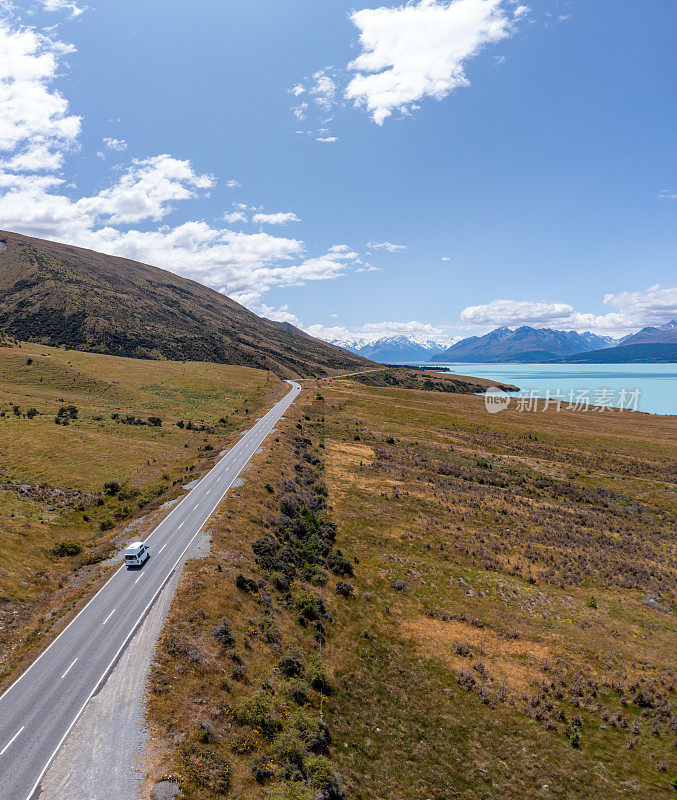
(396, 349)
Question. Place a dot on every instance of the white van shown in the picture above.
(137, 554)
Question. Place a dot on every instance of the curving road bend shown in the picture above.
(41, 707)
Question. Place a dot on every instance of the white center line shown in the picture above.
(181, 525)
(108, 617)
(139, 578)
(195, 509)
(69, 669)
(6, 747)
(164, 545)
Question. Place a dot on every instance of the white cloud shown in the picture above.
(445, 258)
(37, 132)
(234, 216)
(115, 144)
(653, 306)
(35, 126)
(323, 89)
(322, 94)
(64, 5)
(521, 11)
(373, 331)
(279, 218)
(387, 246)
(419, 50)
(281, 314)
(233, 184)
(667, 194)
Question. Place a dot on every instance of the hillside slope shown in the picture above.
(56, 294)
(640, 353)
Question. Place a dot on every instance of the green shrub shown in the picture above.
(106, 525)
(591, 602)
(319, 770)
(344, 589)
(291, 663)
(260, 713)
(206, 766)
(223, 634)
(316, 674)
(66, 547)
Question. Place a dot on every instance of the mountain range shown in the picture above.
(653, 344)
(395, 349)
(57, 294)
(523, 345)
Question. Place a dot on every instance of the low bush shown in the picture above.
(66, 547)
(344, 589)
(291, 663)
(260, 713)
(223, 633)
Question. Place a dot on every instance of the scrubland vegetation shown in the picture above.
(489, 601)
(89, 443)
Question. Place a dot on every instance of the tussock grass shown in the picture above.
(53, 476)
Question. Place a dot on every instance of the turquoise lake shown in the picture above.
(615, 383)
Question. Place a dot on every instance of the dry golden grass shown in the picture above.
(66, 466)
(488, 546)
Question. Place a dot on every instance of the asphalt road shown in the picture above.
(42, 706)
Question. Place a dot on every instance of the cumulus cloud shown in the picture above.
(420, 49)
(115, 144)
(279, 314)
(652, 306)
(389, 247)
(278, 218)
(37, 131)
(35, 125)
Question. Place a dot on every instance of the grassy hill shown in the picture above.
(89, 442)
(504, 627)
(62, 295)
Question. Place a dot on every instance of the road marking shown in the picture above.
(165, 545)
(195, 509)
(286, 402)
(9, 743)
(108, 617)
(139, 578)
(69, 669)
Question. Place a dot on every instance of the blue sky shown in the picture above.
(360, 169)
